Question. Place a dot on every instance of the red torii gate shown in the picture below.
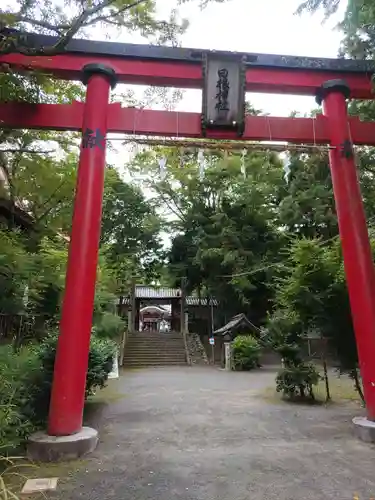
(100, 65)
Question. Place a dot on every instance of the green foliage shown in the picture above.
(246, 352)
(14, 268)
(25, 385)
(315, 290)
(357, 25)
(311, 294)
(50, 18)
(36, 276)
(297, 381)
(130, 229)
(16, 370)
(100, 365)
(109, 326)
(306, 206)
(224, 224)
(285, 331)
(329, 6)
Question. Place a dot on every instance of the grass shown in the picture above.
(341, 389)
(109, 394)
(19, 470)
(14, 472)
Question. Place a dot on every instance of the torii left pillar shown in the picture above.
(66, 438)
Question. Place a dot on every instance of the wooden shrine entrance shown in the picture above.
(181, 309)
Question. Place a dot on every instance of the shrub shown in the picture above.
(109, 326)
(26, 380)
(16, 369)
(246, 351)
(99, 366)
(297, 381)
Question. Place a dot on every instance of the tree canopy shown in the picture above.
(240, 226)
(78, 16)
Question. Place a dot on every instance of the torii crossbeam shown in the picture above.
(224, 77)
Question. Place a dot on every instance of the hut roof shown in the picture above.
(234, 323)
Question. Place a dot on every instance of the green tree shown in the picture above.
(130, 231)
(306, 201)
(224, 224)
(329, 6)
(312, 290)
(357, 25)
(41, 185)
(51, 18)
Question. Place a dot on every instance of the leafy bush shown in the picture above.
(297, 381)
(109, 326)
(26, 380)
(100, 365)
(297, 378)
(16, 370)
(246, 351)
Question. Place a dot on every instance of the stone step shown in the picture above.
(145, 365)
(131, 356)
(155, 354)
(156, 344)
(150, 349)
(154, 349)
(156, 341)
(161, 347)
(153, 336)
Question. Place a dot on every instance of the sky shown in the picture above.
(267, 26)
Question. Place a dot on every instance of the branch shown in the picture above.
(177, 210)
(11, 38)
(50, 198)
(24, 150)
(77, 24)
(42, 24)
(107, 18)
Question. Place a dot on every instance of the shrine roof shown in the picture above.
(234, 323)
(164, 293)
(150, 292)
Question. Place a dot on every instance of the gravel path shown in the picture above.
(202, 433)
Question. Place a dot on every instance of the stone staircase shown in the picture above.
(154, 349)
(197, 353)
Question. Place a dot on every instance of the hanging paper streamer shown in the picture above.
(243, 163)
(286, 167)
(162, 169)
(201, 165)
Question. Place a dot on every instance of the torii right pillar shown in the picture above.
(358, 259)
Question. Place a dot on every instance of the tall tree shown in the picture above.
(306, 200)
(224, 221)
(357, 25)
(130, 230)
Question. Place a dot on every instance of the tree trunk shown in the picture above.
(357, 385)
(326, 381)
(311, 392)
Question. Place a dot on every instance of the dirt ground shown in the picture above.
(203, 433)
